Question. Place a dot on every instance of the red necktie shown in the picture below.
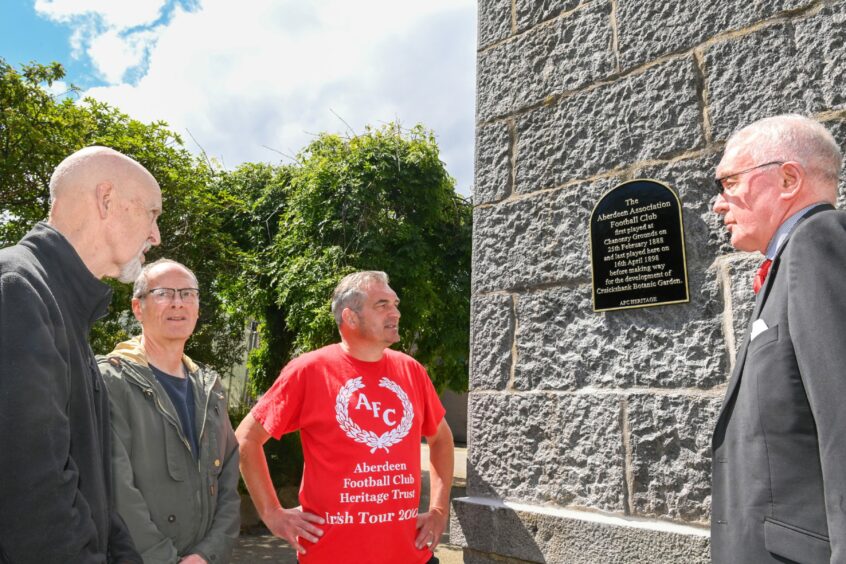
(761, 275)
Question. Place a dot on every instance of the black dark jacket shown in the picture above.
(779, 484)
(55, 476)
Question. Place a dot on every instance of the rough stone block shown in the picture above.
(493, 163)
(741, 269)
(611, 126)
(491, 338)
(648, 30)
(540, 534)
(531, 12)
(562, 55)
(821, 40)
(547, 448)
(792, 67)
(563, 345)
(540, 239)
(494, 21)
(671, 455)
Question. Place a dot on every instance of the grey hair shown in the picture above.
(349, 293)
(793, 137)
(139, 289)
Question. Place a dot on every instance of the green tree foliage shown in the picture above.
(37, 132)
(268, 243)
(254, 223)
(378, 201)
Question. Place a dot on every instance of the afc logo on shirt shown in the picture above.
(388, 415)
(398, 426)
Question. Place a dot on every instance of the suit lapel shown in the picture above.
(735, 374)
(768, 283)
(760, 299)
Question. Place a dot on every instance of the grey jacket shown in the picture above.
(779, 482)
(172, 504)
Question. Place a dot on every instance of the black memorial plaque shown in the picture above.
(637, 247)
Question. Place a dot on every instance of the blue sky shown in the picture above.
(25, 37)
(255, 79)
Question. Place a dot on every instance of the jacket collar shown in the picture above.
(765, 290)
(133, 353)
(67, 274)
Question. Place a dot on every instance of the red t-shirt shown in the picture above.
(361, 425)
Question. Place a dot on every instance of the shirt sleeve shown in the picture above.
(280, 407)
(433, 409)
(817, 320)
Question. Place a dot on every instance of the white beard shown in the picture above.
(132, 269)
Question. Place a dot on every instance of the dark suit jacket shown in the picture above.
(779, 446)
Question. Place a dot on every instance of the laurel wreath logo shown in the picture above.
(369, 438)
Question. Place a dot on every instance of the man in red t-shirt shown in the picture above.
(361, 409)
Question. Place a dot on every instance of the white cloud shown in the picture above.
(113, 13)
(112, 34)
(241, 76)
(58, 89)
(113, 55)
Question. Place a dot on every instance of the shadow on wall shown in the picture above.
(522, 529)
(490, 531)
(486, 526)
(456, 414)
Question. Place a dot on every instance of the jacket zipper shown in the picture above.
(203, 426)
(147, 388)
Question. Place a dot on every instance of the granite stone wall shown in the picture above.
(589, 433)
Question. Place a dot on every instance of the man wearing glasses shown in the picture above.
(175, 457)
(779, 454)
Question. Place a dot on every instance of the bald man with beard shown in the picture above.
(55, 490)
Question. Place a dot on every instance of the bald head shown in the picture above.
(83, 170)
(792, 137)
(106, 204)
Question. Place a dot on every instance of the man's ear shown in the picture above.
(349, 317)
(792, 180)
(136, 309)
(105, 198)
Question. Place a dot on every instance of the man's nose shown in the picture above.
(720, 204)
(155, 235)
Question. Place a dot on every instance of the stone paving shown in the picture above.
(264, 547)
(267, 548)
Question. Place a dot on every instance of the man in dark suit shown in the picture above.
(779, 447)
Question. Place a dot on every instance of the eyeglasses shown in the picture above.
(167, 295)
(723, 186)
